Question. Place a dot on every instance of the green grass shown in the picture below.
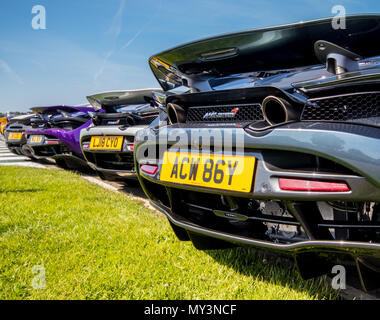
(99, 244)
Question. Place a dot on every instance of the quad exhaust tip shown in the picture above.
(277, 110)
(131, 121)
(176, 114)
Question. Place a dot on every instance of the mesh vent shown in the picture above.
(123, 120)
(343, 108)
(114, 161)
(225, 113)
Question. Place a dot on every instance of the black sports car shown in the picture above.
(108, 144)
(15, 130)
(276, 144)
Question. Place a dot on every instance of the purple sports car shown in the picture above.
(59, 138)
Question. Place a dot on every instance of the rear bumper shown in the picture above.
(355, 249)
(117, 163)
(356, 150)
(312, 258)
(71, 158)
(15, 143)
(352, 153)
(117, 172)
(15, 147)
(45, 151)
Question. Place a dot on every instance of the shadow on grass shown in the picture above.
(128, 186)
(133, 188)
(276, 269)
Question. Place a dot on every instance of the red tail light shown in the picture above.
(312, 185)
(149, 169)
(52, 141)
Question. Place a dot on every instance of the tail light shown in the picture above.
(149, 169)
(128, 145)
(52, 141)
(312, 185)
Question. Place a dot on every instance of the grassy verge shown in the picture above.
(98, 244)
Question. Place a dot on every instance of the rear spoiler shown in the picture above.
(124, 97)
(269, 49)
(23, 119)
(70, 109)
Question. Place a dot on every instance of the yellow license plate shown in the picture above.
(106, 143)
(226, 172)
(15, 136)
(36, 139)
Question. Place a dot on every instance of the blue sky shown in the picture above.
(98, 45)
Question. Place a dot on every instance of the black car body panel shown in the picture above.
(19, 125)
(301, 100)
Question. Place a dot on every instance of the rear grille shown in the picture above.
(208, 211)
(347, 108)
(225, 113)
(122, 121)
(50, 150)
(113, 161)
(281, 222)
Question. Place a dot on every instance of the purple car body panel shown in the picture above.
(69, 137)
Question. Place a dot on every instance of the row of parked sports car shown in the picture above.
(266, 138)
(99, 135)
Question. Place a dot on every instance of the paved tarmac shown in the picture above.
(8, 158)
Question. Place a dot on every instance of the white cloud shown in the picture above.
(8, 70)
(117, 21)
(103, 66)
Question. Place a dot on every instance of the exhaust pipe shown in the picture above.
(176, 113)
(131, 121)
(277, 110)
